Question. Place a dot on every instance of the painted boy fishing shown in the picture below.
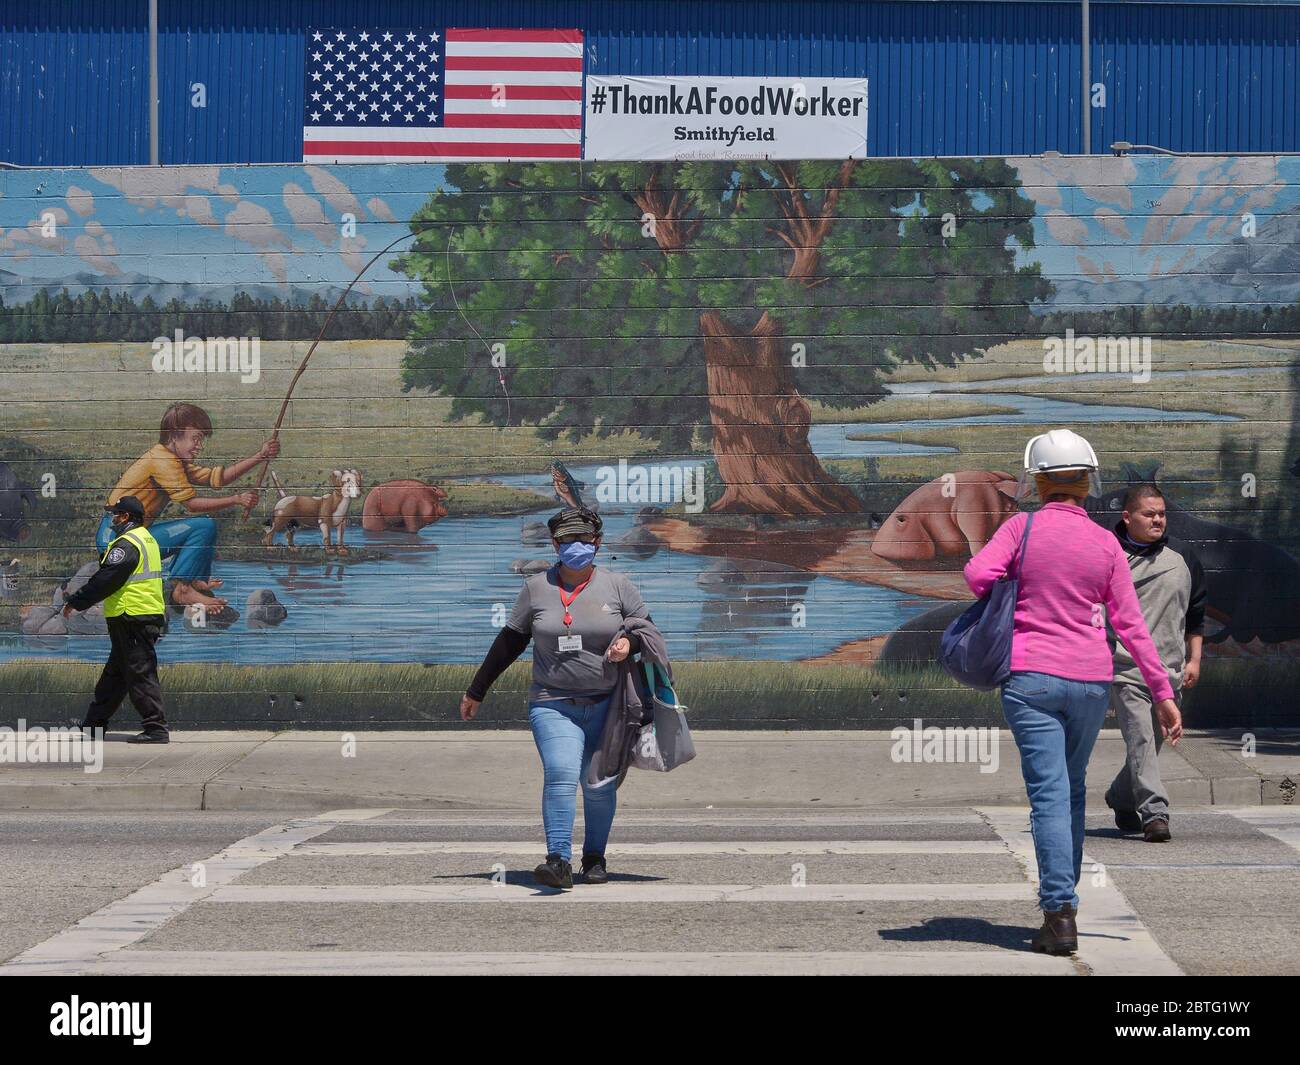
(167, 473)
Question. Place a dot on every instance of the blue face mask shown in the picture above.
(577, 555)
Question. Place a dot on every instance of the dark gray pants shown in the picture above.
(1137, 787)
(132, 669)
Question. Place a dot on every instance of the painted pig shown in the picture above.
(13, 494)
(952, 515)
(409, 505)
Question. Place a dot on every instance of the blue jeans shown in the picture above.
(189, 542)
(1055, 722)
(566, 734)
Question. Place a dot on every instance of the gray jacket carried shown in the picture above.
(628, 706)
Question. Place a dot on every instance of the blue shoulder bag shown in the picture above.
(976, 647)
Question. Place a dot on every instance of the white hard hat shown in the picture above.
(1061, 449)
(1056, 453)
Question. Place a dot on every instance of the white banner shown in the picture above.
(725, 118)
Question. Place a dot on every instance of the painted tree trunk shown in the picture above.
(760, 426)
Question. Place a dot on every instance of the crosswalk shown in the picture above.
(903, 892)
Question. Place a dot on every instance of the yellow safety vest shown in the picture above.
(143, 591)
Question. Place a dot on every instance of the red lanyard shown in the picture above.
(568, 618)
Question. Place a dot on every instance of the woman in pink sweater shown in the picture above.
(1073, 578)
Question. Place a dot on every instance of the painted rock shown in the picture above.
(36, 618)
(535, 534)
(639, 542)
(88, 622)
(264, 610)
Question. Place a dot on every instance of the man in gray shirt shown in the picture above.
(1170, 585)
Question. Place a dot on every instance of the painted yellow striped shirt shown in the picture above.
(158, 477)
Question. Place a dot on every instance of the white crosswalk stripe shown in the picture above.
(326, 873)
(1117, 942)
(127, 921)
(569, 963)
(1280, 822)
(623, 894)
(805, 846)
(827, 820)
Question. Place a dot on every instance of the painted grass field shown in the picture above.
(87, 403)
(759, 694)
(1024, 358)
(903, 408)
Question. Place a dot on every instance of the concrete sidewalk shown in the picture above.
(313, 771)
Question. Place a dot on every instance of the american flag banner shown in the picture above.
(383, 96)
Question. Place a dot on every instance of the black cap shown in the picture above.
(127, 505)
(575, 521)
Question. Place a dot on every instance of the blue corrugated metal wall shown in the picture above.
(945, 79)
(74, 82)
(978, 78)
(1208, 79)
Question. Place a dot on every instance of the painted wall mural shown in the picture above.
(797, 393)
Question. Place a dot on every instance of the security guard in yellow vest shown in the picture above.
(129, 581)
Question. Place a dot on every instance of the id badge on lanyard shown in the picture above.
(570, 641)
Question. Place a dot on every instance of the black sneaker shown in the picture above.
(593, 869)
(554, 872)
(1127, 820)
(150, 737)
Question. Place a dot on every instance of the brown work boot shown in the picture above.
(1156, 830)
(1058, 934)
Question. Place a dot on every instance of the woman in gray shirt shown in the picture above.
(571, 612)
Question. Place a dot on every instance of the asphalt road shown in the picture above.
(882, 890)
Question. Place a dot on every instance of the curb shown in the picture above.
(1231, 783)
(216, 795)
(100, 797)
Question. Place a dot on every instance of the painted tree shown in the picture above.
(714, 297)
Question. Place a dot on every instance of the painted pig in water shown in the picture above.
(1253, 587)
(13, 494)
(952, 515)
(407, 504)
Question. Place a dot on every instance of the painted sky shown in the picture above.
(208, 225)
(1100, 220)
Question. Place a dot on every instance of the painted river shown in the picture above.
(442, 593)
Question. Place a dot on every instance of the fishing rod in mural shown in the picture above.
(302, 366)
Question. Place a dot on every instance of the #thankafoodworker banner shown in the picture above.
(725, 118)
